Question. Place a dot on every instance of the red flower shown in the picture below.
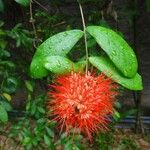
(83, 101)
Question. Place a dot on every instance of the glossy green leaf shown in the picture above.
(58, 64)
(62, 65)
(116, 48)
(3, 114)
(59, 44)
(105, 65)
(23, 2)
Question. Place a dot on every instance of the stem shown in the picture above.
(32, 22)
(40, 5)
(85, 36)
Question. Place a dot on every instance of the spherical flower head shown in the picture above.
(82, 101)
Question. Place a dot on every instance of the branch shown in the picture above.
(32, 22)
(85, 36)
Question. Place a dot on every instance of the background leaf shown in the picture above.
(1, 6)
(116, 48)
(6, 105)
(7, 96)
(59, 44)
(148, 5)
(3, 114)
(105, 65)
(10, 85)
(29, 85)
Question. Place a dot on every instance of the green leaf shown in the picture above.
(29, 86)
(50, 132)
(116, 48)
(58, 64)
(10, 85)
(105, 65)
(23, 2)
(7, 96)
(59, 44)
(26, 140)
(47, 140)
(1, 6)
(4, 53)
(6, 105)
(8, 63)
(3, 114)
(62, 65)
(41, 110)
(68, 145)
(116, 116)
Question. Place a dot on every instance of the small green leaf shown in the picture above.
(116, 116)
(6, 105)
(68, 145)
(59, 44)
(26, 140)
(3, 114)
(7, 96)
(47, 140)
(8, 63)
(50, 132)
(41, 110)
(10, 85)
(116, 48)
(23, 2)
(4, 53)
(105, 65)
(29, 86)
(3, 42)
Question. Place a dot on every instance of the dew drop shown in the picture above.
(114, 53)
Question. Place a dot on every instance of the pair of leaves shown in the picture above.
(120, 63)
